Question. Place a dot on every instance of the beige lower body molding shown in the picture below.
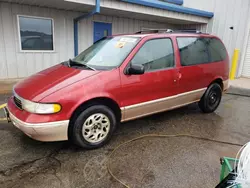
(159, 105)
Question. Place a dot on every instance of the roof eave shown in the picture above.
(171, 7)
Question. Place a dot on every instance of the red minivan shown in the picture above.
(117, 79)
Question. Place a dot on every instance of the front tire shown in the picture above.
(211, 98)
(93, 127)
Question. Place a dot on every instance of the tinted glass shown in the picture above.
(192, 51)
(36, 33)
(216, 49)
(107, 53)
(155, 54)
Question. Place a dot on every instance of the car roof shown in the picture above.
(165, 34)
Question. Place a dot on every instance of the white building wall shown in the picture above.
(201, 4)
(200, 27)
(227, 13)
(119, 25)
(16, 64)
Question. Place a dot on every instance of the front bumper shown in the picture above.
(51, 131)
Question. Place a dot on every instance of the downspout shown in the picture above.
(76, 20)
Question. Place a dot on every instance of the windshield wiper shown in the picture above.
(89, 67)
(76, 63)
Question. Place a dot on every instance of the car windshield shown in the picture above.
(107, 53)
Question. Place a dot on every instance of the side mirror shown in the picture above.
(135, 70)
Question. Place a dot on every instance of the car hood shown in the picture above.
(48, 81)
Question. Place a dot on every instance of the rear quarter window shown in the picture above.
(193, 51)
(216, 49)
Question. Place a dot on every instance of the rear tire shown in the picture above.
(93, 127)
(211, 98)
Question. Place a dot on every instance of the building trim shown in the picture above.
(76, 20)
(19, 34)
(171, 7)
(177, 2)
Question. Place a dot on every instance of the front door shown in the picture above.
(150, 92)
(102, 30)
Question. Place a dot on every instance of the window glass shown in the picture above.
(192, 51)
(107, 53)
(216, 49)
(155, 54)
(36, 33)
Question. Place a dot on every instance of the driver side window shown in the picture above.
(155, 54)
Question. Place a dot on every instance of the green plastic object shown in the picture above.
(227, 166)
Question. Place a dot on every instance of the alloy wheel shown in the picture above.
(96, 128)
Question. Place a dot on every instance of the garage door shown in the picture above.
(246, 66)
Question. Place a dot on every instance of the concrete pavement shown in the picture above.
(243, 83)
(152, 162)
(7, 85)
(3, 100)
(240, 86)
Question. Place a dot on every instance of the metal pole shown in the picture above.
(234, 64)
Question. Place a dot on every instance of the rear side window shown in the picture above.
(193, 51)
(216, 49)
(155, 54)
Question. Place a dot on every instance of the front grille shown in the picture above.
(18, 103)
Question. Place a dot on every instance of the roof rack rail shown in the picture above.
(169, 31)
(155, 31)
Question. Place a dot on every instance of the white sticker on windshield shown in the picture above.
(128, 39)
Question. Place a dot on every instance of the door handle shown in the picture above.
(179, 75)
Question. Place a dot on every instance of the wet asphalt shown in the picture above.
(151, 162)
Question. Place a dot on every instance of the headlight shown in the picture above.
(40, 108)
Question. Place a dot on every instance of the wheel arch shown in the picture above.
(218, 81)
(113, 105)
